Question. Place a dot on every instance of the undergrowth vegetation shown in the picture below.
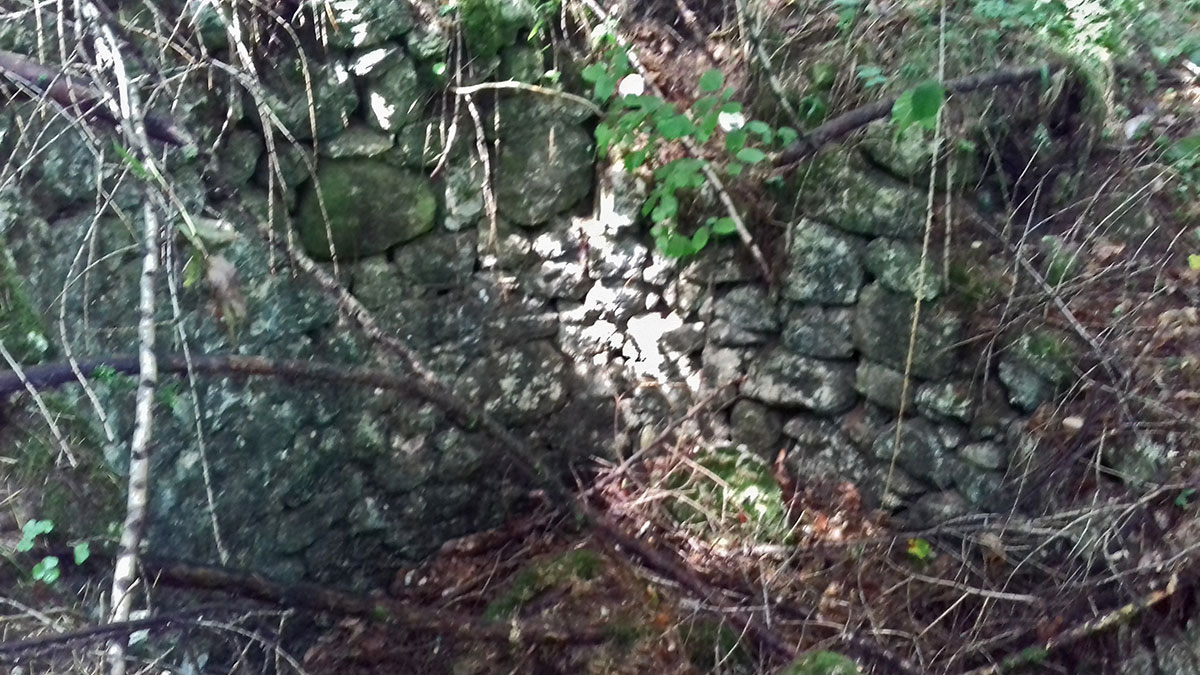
(1079, 249)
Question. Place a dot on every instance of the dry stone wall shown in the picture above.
(557, 317)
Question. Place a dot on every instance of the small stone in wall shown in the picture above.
(501, 250)
(519, 385)
(946, 400)
(362, 23)
(395, 98)
(867, 203)
(291, 96)
(357, 140)
(618, 258)
(898, 266)
(936, 507)
(554, 279)
(371, 207)
(544, 166)
(580, 342)
(743, 316)
(883, 386)
(723, 366)
(1036, 365)
(784, 379)
(824, 265)
(756, 426)
(823, 332)
(436, 260)
(918, 450)
(883, 321)
(986, 455)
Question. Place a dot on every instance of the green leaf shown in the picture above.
(702, 106)
(735, 168)
(1184, 148)
(439, 68)
(604, 136)
(711, 81)
(635, 159)
(731, 107)
(707, 125)
(674, 127)
(761, 128)
(724, 226)
(1194, 261)
(700, 238)
(667, 208)
(47, 570)
(604, 87)
(81, 552)
(35, 527)
(135, 165)
(193, 271)
(918, 105)
(593, 73)
(787, 136)
(1184, 499)
(735, 141)
(927, 100)
(643, 102)
(920, 549)
(751, 155)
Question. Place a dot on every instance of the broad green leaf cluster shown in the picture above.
(639, 124)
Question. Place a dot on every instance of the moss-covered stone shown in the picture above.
(370, 206)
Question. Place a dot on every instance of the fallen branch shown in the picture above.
(809, 144)
(77, 96)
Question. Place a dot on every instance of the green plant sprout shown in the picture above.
(641, 123)
(47, 569)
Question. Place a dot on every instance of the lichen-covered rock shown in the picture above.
(743, 316)
(357, 141)
(898, 267)
(371, 207)
(544, 168)
(986, 455)
(238, 158)
(519, 385)
(919, 451)
(937, 507)
(463, 190)
(784, 379)
(363, 23)
(395, 97)
(883, 321)
(756, 426)
(909, 156)
(1035, 365)
(883, 386)
(946, 400)
(868, 204)
(1141, 462)
(823, 332)
(824, 266)
(437, 260)
(294, 100)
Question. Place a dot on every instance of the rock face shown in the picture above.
(371, 207)
(826, 266)
(574, 331)
(882, 327)
(545, 164)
